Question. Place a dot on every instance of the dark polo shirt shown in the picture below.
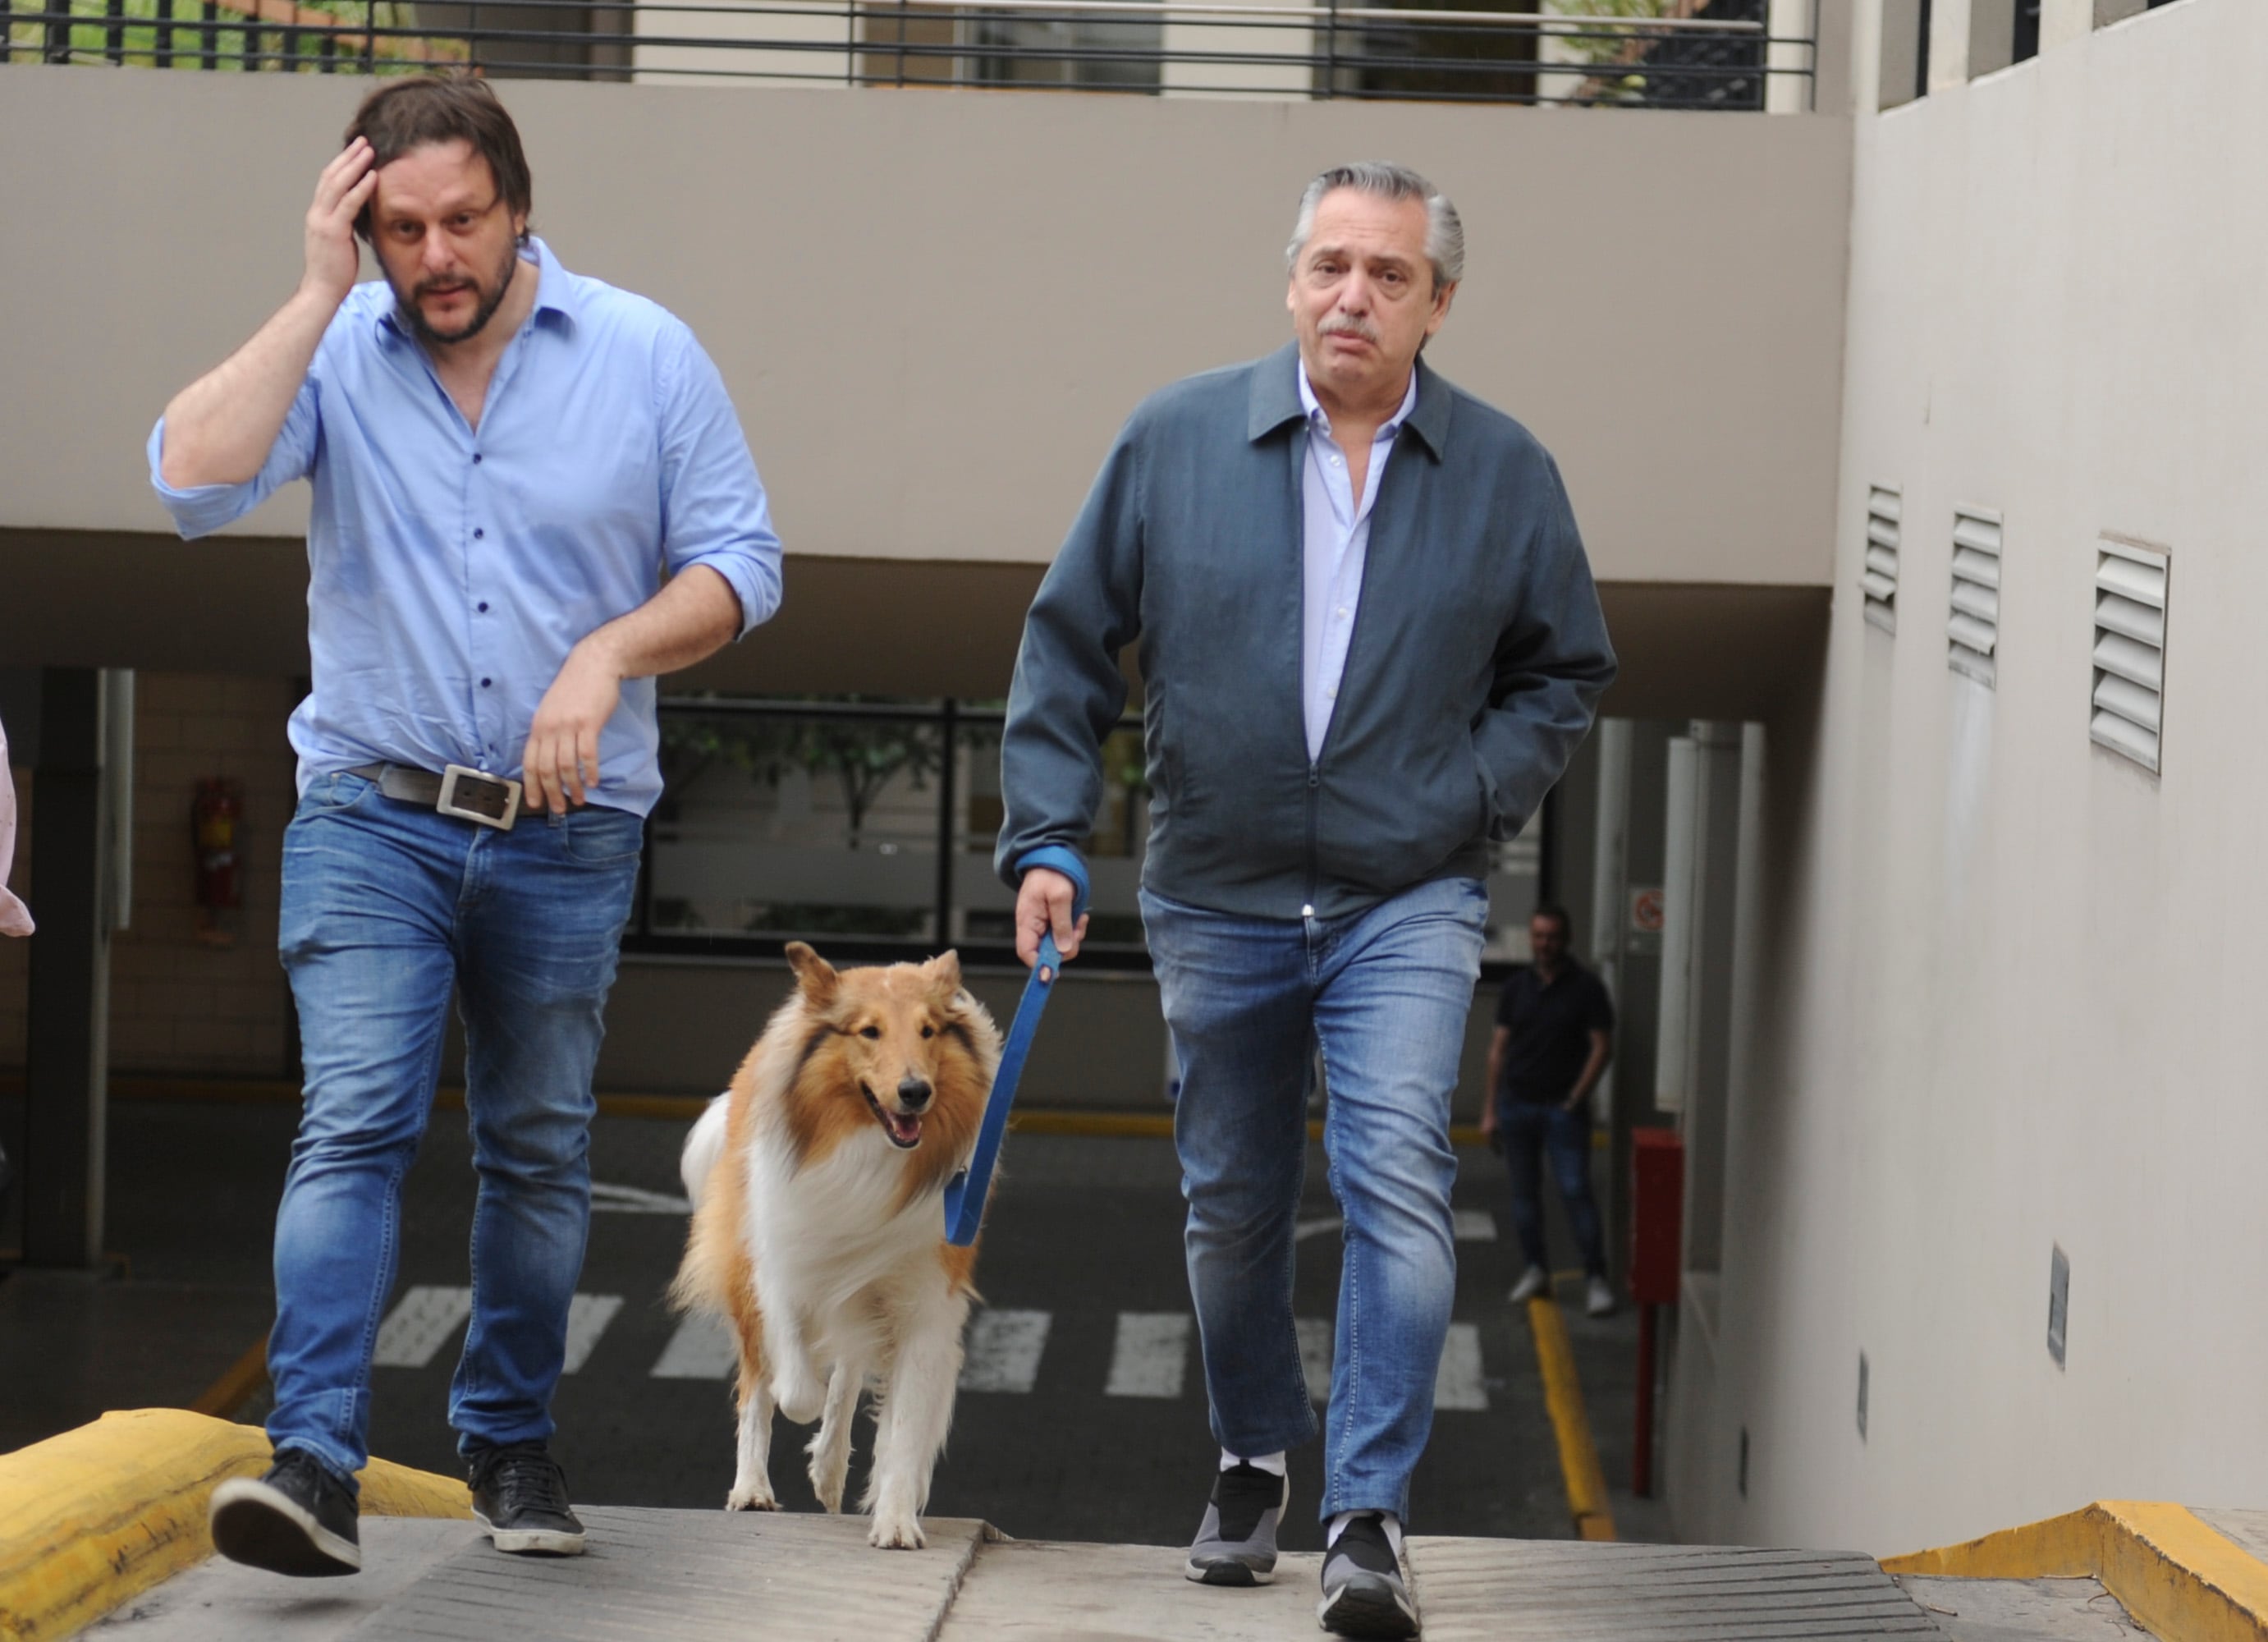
(1552, 1028)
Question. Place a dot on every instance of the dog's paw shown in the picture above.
(827, 1484)
(895, 1530)
(751, 1499)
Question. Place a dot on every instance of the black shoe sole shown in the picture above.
(532, 1542)
(1365, 1607)
(257, 1526)
(1241, 1575)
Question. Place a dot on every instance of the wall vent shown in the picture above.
(1879, 578)
(1974, 632)
(2129, 649)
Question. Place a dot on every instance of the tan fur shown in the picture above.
(805, 1207)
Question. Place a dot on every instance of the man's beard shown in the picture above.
(491, 299)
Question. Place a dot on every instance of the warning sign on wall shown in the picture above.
(1645, 915)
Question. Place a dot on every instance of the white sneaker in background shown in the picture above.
(1599, 1297)
(1534, 1281)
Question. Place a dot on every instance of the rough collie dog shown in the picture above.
(818, 1182)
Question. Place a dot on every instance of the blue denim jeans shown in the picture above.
(385, 907)
(1384, 994)
(1532, 1130)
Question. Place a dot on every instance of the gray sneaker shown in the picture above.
(1236, 1541)
(1363, 1592)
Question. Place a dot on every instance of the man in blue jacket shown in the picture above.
(1369, 643)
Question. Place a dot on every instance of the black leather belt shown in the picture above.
(460, 791)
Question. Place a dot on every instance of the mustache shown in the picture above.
(1347, 325)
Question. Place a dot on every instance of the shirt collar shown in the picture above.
(1278, 381)
(1320, 419)
(558, 293)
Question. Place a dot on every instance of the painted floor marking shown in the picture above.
(1004, 1351)
(607, 1199)
(1315, 1356)
(587, 1317)
(1151, 1356)
(1467, 1226)
(1458, 1383)
(702, 1348)
(419, 1325)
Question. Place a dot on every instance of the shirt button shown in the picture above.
(484, 683)
(484, 607)
(1331, 694)
(1341, 611)
(478, 532)
(476, 459)
(1334, 461)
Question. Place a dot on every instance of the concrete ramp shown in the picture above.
(692, 1575)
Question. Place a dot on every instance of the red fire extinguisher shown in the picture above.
(213, 820)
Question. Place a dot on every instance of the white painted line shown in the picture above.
(1004, 1351)
(419, 1325)
(587, 1317)
(1151, 1354)
(1458, 1384)
(1475, 1225)
(607, 1199)
(1315, 1356)
(702, 1348)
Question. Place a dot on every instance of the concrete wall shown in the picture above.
(935, 308)
(2008, 982)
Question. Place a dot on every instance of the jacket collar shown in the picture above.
(1275, 401)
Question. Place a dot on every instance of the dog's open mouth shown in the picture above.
(903, 1128)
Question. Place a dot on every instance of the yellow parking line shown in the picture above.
(236, 1383)
(1563, 1396)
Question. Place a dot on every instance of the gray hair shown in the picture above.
(1445, 234)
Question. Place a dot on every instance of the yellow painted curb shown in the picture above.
(2175, 1573)
(99, 1514)
(1562, 1396)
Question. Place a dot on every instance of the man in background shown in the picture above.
(1553, 1038)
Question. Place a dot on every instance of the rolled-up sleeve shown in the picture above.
(201, 509)
(714, 511)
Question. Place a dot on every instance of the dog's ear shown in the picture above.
(814, 974)
(944, 974)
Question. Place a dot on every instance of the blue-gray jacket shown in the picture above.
(1477, 657)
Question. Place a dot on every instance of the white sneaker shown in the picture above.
(1599, 1297)
(1534, 1281)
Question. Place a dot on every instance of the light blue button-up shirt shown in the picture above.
(451, 568)
(1336, 542)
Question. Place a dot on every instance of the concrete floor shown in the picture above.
(1083, 1230)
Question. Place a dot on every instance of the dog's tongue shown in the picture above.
(904, 1128)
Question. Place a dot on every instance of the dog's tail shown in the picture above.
(701, 1281)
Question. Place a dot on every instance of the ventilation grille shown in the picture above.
(1974, 631)
(2129, 649)
(1879, 578)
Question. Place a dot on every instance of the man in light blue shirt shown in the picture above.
(504, 457)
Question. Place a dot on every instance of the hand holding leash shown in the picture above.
(1049, 904)
(965, 1196)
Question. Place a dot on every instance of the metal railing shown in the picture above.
(1716, 55)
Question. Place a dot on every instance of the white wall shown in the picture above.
(2011, 987)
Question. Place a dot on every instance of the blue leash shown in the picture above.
(964, 1197)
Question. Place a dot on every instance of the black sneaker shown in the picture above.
(519, 1495)
(299, 1519)
(1236, 1541)
(1363, 1592)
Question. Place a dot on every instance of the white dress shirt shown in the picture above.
(1337, 531)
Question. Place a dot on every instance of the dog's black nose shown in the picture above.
(913, 1093)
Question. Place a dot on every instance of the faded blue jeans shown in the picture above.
(1384, 994)
(385, 907)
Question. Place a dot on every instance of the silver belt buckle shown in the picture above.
(476, 796)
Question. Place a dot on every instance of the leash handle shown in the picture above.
(965, 1194)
